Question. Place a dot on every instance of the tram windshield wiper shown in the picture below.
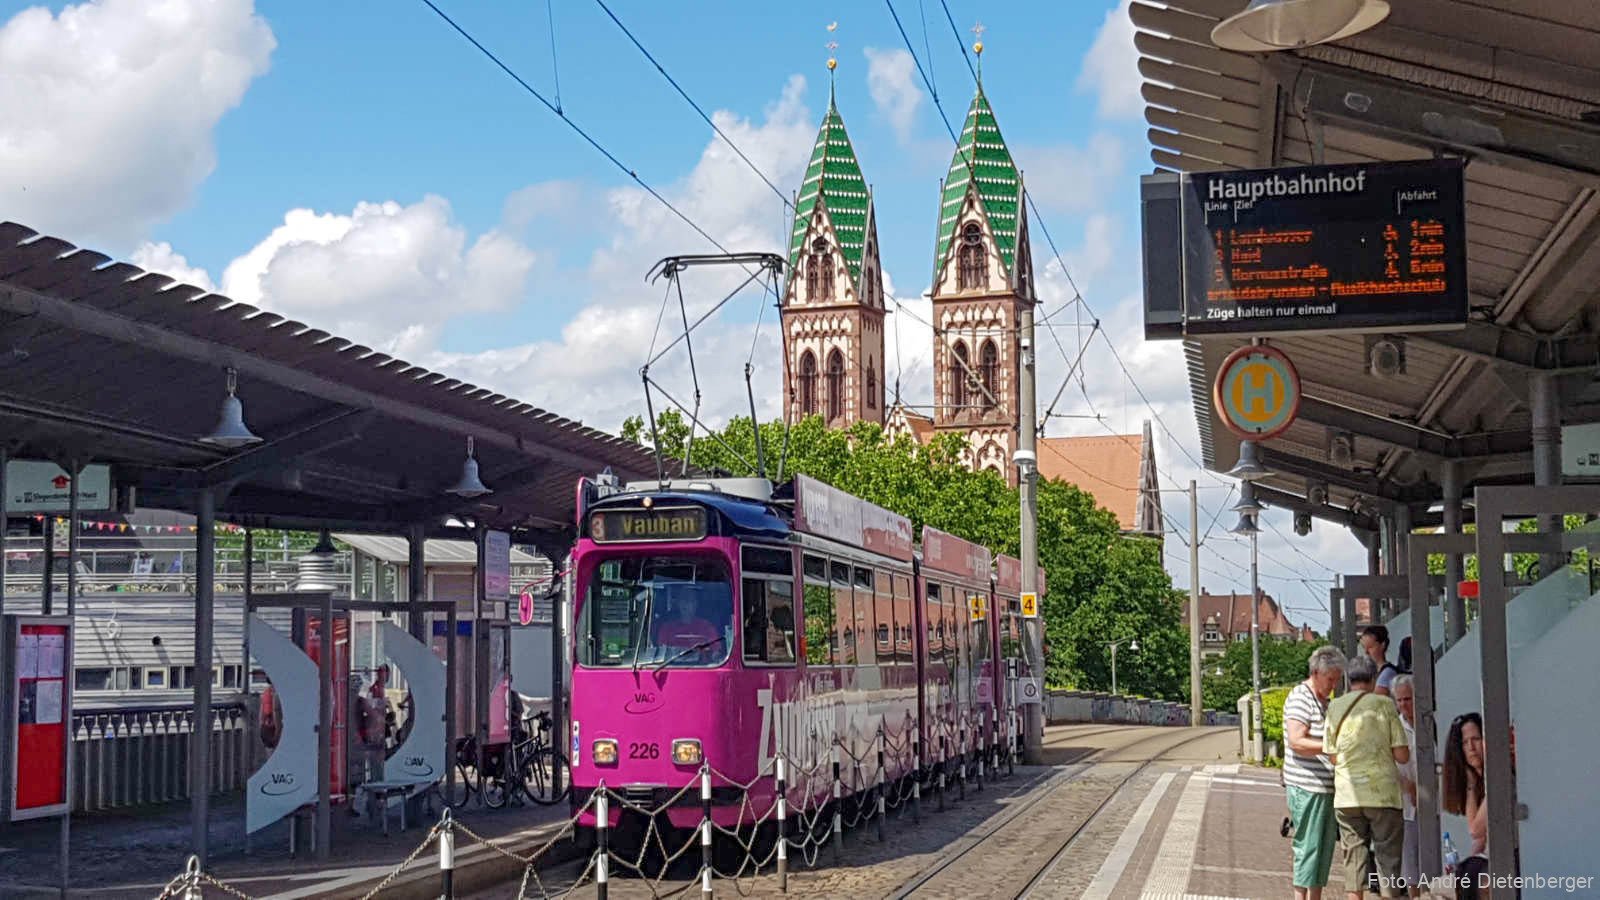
(703, 645)
(644, 626)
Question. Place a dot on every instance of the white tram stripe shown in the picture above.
(1105, 880)
(1169, 874)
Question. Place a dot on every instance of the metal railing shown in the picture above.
(138, 756)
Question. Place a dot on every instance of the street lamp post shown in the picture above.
(1133, 644)
(1249, 511)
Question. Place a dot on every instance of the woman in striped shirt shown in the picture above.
(1307, 774)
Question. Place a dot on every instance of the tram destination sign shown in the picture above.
(662, 523)
(1364, 247)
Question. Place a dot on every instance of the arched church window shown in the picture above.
(835, 385)
(988, 372)
(808, 384)
(872, 385)
(958, 378)
(819, 272)
(971, 274)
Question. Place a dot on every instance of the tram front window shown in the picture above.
(657, 612)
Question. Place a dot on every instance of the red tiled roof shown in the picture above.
(1232, 615)
(1106, 467)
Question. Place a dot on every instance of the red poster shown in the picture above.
(42, 714)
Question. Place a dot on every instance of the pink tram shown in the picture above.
(729, 623)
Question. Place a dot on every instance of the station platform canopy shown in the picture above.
(103, 362)
(1508, 85)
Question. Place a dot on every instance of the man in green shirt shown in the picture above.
(1365, 740)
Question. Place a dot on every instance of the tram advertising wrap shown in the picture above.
(1373, 247)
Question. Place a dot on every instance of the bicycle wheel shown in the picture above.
(499, 788)
(458, 794)
(539, 774)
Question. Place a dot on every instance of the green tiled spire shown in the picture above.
(834, 179)
(982, 155)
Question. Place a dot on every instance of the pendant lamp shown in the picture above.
(469, 485)
(231, 432)
(1268, 25)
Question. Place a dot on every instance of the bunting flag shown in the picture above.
(124, 527)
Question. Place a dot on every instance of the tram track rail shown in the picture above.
(910, 888)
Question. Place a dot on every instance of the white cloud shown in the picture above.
(1111, 67)
(386, 275)
(107, 109)
(592, 364)
(1074, 179)
(891, 80)
(163, 259)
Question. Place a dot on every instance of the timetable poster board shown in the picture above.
(1362, 247)
(38, 670)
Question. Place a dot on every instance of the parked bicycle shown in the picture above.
(525, 767)
(537, 762)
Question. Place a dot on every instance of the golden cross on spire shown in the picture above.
(977, 32)
(832, 46)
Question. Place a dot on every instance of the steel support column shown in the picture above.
(558, 672)
(1544, 400)
(1453, 546)
(1336, 614)
(1402, 548)
(417, 580)
(1455, 608)
(205, 601)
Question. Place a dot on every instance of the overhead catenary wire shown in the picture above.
(576, 128)
(696, 106)
(555, 65)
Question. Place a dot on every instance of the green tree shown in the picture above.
(1100, 585)
(1283, 663)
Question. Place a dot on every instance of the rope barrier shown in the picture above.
(804, 801)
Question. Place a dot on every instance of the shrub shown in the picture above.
(1272, 714)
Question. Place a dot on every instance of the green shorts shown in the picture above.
(1315, 836)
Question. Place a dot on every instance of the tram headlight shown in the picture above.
(604, 752)
(686, 752)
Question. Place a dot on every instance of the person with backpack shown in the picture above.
(1375, 643)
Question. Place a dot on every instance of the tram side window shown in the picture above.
(845, 616)
(866, 626)
(904, 623)
(769, 621)
(883, 614)
(818, 612)
(768, 593)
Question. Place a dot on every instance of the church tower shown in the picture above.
(982, 277)
(832, 308)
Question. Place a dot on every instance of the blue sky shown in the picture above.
(360, 167)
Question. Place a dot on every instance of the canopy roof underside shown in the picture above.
(1511, 86)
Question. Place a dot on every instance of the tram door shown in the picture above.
(980, 667)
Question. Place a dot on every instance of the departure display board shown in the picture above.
(1368, 247)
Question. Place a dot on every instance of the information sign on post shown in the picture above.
(1030, 605)
(34, 485)
(1257, 392)
(1030, 690)
(38, 668)
(496, 567)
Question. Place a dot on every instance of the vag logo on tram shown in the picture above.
(642, 702)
